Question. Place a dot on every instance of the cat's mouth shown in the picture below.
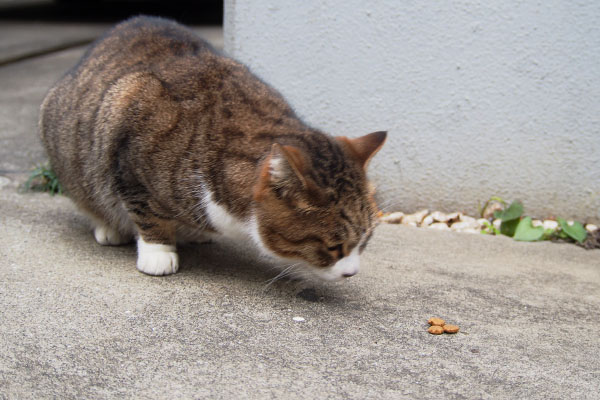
(344, 268)
(330, 275)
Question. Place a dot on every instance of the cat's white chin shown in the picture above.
(327, 275)
(344, 268)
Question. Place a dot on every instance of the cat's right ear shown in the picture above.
(365, 147)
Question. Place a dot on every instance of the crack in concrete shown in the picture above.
(45, 51)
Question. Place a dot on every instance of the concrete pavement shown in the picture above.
(78, 321)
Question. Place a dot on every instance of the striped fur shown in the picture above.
(155, 135)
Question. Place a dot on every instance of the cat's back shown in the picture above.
(141, 42)
(123, 60)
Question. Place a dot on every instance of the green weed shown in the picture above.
(43, 179)
(514, 224)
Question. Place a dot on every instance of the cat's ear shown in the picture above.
(287, 162)
(284, 168)
(365, 147)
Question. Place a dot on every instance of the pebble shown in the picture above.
(466, 218)
(298, 319)
(414, 219)
(393, 218)
(457, 226)
(550, 224)
(591, 228)
(459, 222)
(441, 217)
(462, 226)
(428, 220)
(442, 226)
(470, 222)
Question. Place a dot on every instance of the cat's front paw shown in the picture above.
(107, 236)
(157, 259)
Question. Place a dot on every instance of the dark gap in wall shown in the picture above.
(199, 12)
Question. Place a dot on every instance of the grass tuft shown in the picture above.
(43, 179)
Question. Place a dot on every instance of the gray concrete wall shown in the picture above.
(479, 98)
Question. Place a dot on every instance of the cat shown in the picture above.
(158, 137)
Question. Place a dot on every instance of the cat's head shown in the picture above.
(314, 206)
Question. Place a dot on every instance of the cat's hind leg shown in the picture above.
(105, 234)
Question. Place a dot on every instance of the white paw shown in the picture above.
(157, 259)
(107, 236)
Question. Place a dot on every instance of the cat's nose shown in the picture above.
(349, 274)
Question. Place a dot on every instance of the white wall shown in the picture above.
(480, 98)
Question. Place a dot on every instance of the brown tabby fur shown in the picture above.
(152, 118)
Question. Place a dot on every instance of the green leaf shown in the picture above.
(576, 231)
(526, 232)
(549, 234)
(489, 229)
(508, 228)
(514, 211)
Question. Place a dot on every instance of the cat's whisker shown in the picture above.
(269, 282)
(386, 206)
(280, 274)
(287, 271)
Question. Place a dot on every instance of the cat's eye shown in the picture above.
(337, 251)
(337, 248)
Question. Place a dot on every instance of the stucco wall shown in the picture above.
(480, 98)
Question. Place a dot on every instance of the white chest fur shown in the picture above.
(234, 228)
(225, 223)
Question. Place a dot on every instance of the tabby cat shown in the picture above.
(156, 136)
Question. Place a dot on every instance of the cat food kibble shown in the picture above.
(436, 330)
(436, 321)
(438, 326)
(451, 328)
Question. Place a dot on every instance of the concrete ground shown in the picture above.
(78, 321)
